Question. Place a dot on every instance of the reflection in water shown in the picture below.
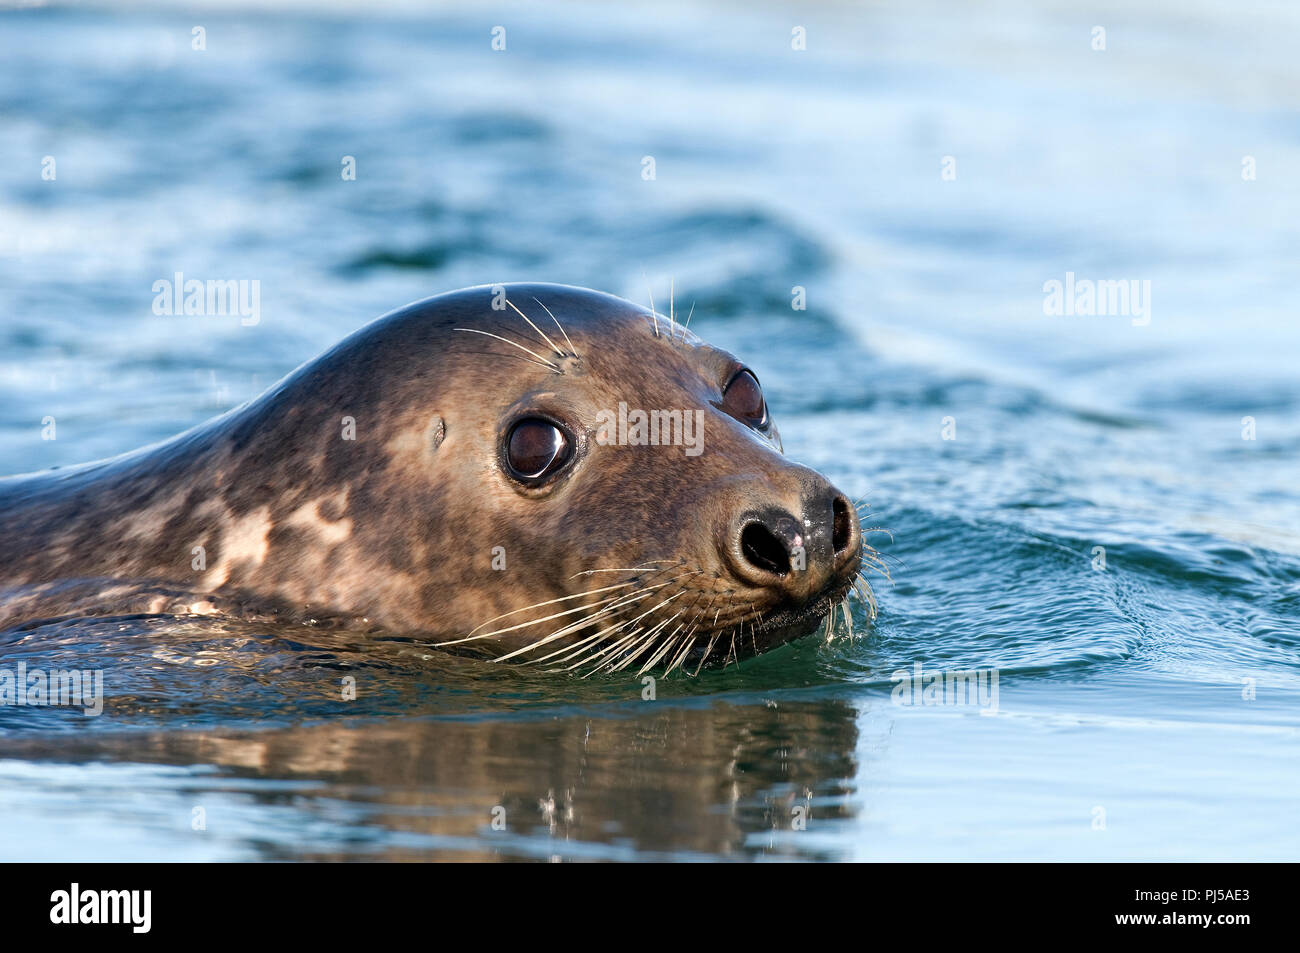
(699, 780)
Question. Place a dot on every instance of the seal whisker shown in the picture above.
(647, 643)
(607, 650)
(539, 605)
(517, 357)
(575, 648)
(548, 341)
(524, 625)
(687, 326)
(618, 603)
(565, 630)
(672, 321)
(544, 361)
(573, 349)
(705, 657)
(654, 315)
(649, 637)
(875, 561)
(472, 633)
(707, 652)
(588, 572)
(687, 638)
(671, 640)
(625, 600)
(668, 643)
(863, 591)
(614, 646)
(688, 643)
(590, 592)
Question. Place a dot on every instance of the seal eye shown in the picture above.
(535, 448)
(743, 398)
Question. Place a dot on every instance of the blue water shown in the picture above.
(1147, 704)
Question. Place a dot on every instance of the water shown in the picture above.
(1147, 710)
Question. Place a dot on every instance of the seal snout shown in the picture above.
(797, 555)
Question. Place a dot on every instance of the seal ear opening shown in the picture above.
(435, 434)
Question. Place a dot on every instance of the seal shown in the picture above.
(526, 472)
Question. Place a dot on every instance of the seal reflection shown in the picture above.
(713, 780)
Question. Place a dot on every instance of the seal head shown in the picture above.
(529, 472)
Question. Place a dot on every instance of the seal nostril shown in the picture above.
(762, 549)
(843, 528)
